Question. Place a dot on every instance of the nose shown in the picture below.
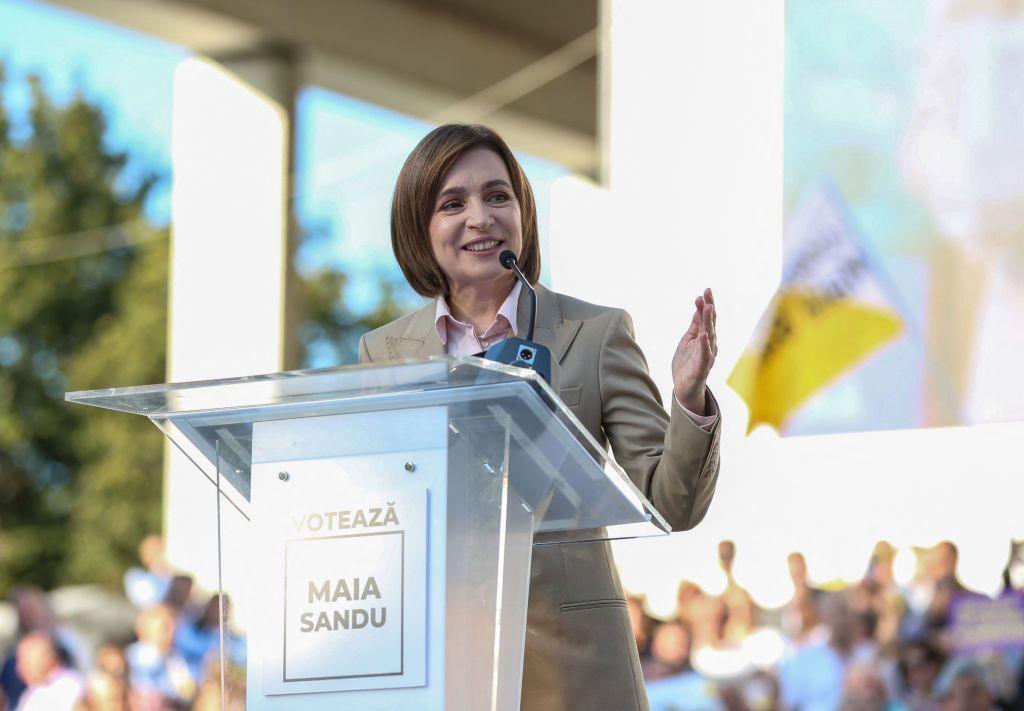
(478, 214)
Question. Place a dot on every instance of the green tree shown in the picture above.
(119, 483)
(83, 305)
(72, 290)
(331, 328)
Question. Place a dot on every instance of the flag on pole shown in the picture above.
(829, 314)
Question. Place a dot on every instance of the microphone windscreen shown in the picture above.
(507, 258)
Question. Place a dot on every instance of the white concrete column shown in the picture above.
(231, 146)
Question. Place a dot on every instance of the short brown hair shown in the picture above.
(418, 185)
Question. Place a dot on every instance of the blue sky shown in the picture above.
(343, 188)
(128, 74)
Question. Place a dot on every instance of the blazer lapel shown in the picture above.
(419, 340)
(551, 329)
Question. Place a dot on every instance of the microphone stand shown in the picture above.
(522, 352)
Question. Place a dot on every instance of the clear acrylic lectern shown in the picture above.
(375, 523)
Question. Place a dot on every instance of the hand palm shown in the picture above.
(695, 355)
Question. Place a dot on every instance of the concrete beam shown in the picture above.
(414, 57)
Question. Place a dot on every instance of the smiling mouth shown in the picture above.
(484, 245)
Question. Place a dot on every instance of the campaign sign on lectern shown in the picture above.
(374, 525)
(351, 540)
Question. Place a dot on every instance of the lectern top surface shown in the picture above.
(439, 372)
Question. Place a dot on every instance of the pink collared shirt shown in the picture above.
(460, 338)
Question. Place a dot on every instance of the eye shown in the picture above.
(499, 197)
(450, 205)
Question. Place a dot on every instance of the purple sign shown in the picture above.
(979, 623)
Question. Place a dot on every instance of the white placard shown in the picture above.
(344, 602)
(346, 585)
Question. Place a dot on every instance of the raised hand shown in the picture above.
(695, 355)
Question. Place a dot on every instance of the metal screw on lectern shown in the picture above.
(284, 476)
(410, 467)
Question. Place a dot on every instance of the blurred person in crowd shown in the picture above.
(197, 638)
(714, 655)
(935, 623)
(105, 692)
(179, 593)
(936, 617)
(1013, 573)
(943, 563)
(741, 613)
(688, 596)
(879, 593)
(868, 653)
(799, 615)
(726, 561)
(917, 596)
(1015, 700)
(675, 684)
(107, 684)
(880, 571)
(846, 627)
(642, 625)
(797, 565)
(964, 685)
(149, 584)
(708, 618)
(208, 698)
(864, 690)
(51, 685)
(864, 648)
(740, 616)
(812, 674)
(460, 201)
(930, 594)
(670, 650)
(801, 623)
(156, 671)
(919, 665)
(759, 692)
(1002, 670)
(34, 614)
(110, 659)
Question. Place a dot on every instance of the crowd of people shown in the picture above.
(172, 661)
(871, 646)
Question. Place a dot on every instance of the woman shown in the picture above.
(460, 200)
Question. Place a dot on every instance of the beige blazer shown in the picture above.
(580, 652)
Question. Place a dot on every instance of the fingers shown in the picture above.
(707, 325)
(694, 330)
(702, 325)
(708, 317)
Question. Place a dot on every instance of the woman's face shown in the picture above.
(474, 218)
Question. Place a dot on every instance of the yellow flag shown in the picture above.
(829, 314)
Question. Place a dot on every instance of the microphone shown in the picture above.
(522, 352)
(507, 259)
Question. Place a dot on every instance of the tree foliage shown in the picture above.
(73, 293)
(83, 305)
(331, 328)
